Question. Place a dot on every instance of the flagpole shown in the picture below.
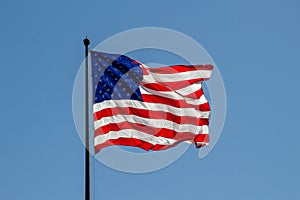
(86, 42)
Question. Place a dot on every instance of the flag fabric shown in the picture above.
(149, 108)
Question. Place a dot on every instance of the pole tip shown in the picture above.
(86, 42)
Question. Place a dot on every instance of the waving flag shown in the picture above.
(149, 108)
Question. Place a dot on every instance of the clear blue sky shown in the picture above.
(256, 46)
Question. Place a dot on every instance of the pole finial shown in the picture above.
(86, 42)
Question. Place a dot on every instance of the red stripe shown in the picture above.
(144, 70)
(163, 132)
(177, 69)
(157, 87)
(150, 114)
(204, 107)
(139, 143)
(175, 103)
(178, 84)
(131, 142)
(202, 138)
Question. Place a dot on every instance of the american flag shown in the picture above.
(149, 108)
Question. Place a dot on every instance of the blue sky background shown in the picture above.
(256, 46)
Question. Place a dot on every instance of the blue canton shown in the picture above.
(115, 77)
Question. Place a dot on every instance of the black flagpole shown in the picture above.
(86, 42)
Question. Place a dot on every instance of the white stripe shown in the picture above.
(192, 142)
(199, 101)
(156, 123)
(173, 95)
(150, 106)
(148, 79)
(182, 76)
(130, 133)
(203, 143)
(181, 92)
(168, 94)
(189, 89)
